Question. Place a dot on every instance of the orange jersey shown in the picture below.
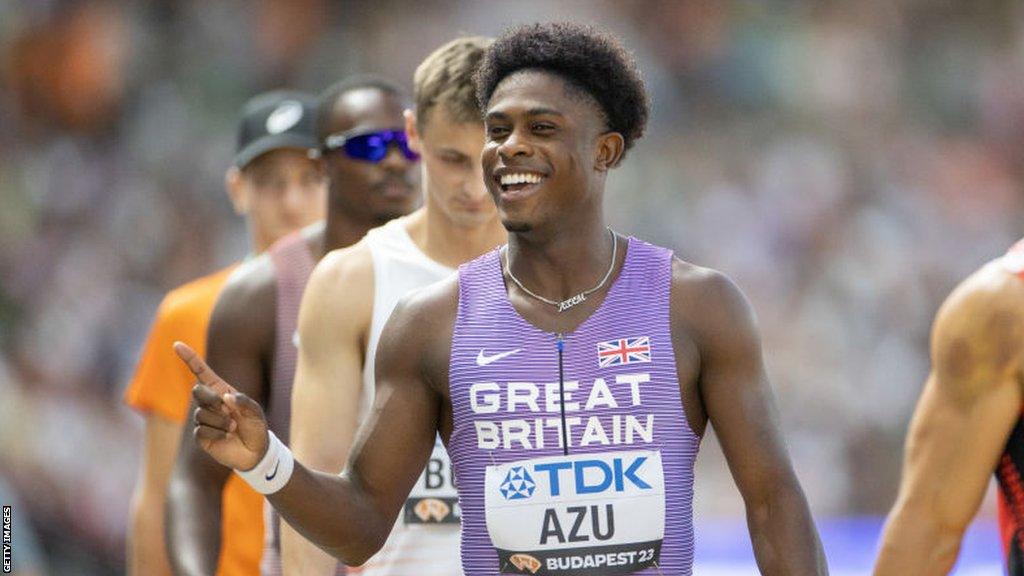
(162, 385)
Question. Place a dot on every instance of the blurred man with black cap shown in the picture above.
(252, 332)
(277, 184)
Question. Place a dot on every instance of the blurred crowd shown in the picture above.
(846, 163)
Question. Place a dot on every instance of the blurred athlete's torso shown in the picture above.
(425, 539)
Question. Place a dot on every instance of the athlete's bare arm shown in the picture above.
(738, 401)
(970, 403)
(147, 553)
(240, 340)
(350, 515)
(334, 323)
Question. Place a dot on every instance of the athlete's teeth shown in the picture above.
(520, 178)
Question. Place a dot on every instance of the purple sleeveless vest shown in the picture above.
(620, 502)
(293, 265)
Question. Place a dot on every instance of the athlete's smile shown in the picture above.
(517, 183)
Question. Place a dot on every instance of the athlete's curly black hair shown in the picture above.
(591, 60)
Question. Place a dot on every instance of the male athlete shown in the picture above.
(279, 189)
(570, 375)
(251, 334)
(339, 335)
(967, 424)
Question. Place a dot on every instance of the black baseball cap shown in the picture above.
(274, 120)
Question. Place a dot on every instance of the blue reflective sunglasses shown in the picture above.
(369, 146)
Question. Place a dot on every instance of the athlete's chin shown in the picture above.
(471, 219)
(516, 226)
(386, 213)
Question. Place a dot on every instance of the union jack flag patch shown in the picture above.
(624, 351)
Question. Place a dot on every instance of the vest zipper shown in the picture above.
(560, 343)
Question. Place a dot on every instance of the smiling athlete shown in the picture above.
(570, 375)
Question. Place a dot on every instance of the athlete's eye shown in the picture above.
(494, 132)
(455, 159)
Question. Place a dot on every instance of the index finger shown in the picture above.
(205, 374)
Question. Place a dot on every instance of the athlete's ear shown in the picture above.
(412, 132)
(610, 147)
(237, 190)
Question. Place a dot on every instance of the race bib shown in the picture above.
(593, 514)
(434, 499)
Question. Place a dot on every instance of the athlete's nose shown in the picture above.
(514, 145)
(395, 161)
(295, 200)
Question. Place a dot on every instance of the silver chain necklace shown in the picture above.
(573, 300)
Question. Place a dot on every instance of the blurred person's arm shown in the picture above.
(969, 406)
(741, 406)
(160, 391)
(147, 552)
(350, 515)
(240, 342)
(333, 327)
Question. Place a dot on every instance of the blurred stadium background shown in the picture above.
(845, 162)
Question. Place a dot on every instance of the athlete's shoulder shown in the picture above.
(992, 287)
(250, 281)
(705, 289)
(344, 271)
(708, 306)
(194, 298)
(346, 264)
(979, 330)
(987, 304)
(429, 311)
(435, 302)
(421, 327)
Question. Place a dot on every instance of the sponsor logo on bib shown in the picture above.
(593, 514)
(525, 562)
(518, 484)
(434, 499)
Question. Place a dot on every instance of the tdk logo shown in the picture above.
(518, 484)
(594, 476)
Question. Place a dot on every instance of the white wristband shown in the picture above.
(274, 470)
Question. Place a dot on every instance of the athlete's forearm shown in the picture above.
(147, 553)
(783, 534)
(334, 512)
(193, 512)
(915, 542)
(321, 436)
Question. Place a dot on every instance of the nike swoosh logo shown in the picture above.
(270, 476)
(483, 359)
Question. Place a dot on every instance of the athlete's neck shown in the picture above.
(449, 243)
(259, 242)
(343, 230)
(564, 263)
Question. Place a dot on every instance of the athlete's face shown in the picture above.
(367, 190)
(279, 192)
(546, 150)
(452, 175)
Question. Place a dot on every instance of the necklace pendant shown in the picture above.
(566, 304)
